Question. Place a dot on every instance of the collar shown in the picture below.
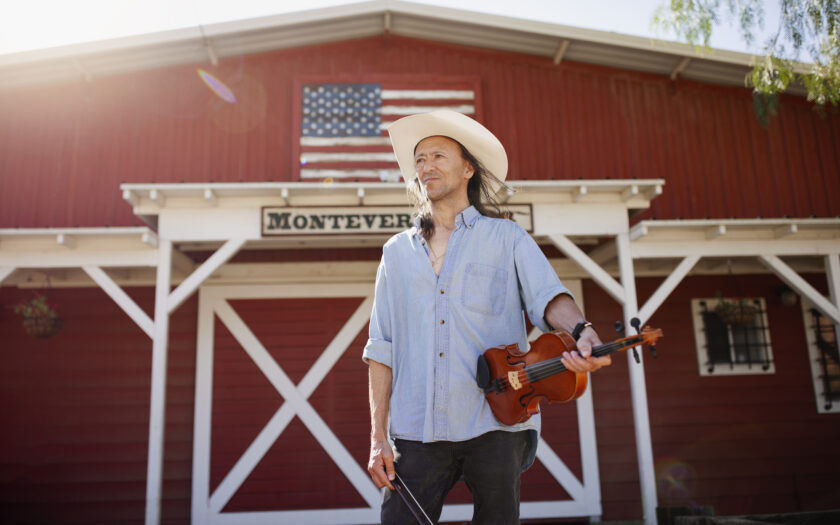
(466, 217)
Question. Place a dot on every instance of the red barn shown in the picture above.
(211, 258)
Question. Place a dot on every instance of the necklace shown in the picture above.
(435, 257)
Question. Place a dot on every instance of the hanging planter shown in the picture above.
(40, 318)
(736, 314)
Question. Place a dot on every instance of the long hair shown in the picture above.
(479, 193)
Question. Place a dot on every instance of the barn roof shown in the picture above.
(216, 41)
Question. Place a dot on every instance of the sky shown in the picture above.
(38, 24)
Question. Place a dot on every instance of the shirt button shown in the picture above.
(441, 354)
(441, 291)
(442, 321)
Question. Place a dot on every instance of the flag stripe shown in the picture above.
(381, 174)
(416, 94)
(343, 135)
(349, 157)
(412, 110)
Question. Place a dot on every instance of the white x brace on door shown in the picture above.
(207, 506)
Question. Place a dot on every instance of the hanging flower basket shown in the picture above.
(40, 318)
(42, 327)
(737, 314)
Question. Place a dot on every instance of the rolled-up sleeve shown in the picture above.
(538, 282)
(379, 343)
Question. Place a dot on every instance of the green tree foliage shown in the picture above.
(805, 26)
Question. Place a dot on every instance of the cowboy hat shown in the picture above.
(407, 132)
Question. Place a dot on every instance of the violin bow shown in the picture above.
(413, 505)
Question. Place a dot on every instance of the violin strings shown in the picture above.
(550, 367)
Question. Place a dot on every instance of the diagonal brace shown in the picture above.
(594, 270)
(191, 283)
(122, 299)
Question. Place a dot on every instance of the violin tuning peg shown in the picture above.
(619, 327)
(636, 355)
(653, 351)
(635, 322)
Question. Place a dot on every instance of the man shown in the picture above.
(446, 290)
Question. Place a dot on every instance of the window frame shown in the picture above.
(814, 359)
(732, 368)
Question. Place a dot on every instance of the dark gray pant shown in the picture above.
(490, 465)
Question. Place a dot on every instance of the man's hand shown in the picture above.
(381, 463)
(581, 360)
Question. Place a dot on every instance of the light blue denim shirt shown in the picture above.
(430, 330)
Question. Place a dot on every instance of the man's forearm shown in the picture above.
(562, 313)
(379, 390)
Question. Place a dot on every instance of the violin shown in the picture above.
(514, 382)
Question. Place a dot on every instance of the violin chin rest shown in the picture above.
(482, 373)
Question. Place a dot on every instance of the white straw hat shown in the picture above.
(407, 132)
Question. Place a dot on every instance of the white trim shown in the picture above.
(122, 299)
(638, 389)
(792, 279)
(157, 404)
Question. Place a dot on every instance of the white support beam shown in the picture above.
(598, 274)
(284, 194)
(579, 193)
(561, 50)
(680, 67)
(360, 193)
(191, 283)
(65, 240)
(786, 230)
(638, 389)
(792, 279)
(604, 253)
(654, 192)
(130, 197)
(122, 299)
(149, 238)
(182, 263)
(210, 197)
(832, 274)
(667, 286)
(157, 403)
(716, 231)
(638, 232)
(676, 248)
(630, 192)
(157, 197)
(5, 271)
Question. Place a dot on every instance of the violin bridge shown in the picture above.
(513, 379)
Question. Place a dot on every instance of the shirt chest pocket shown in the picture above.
(484, 289)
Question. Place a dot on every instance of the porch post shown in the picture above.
(832, 274)
(644, 449)
(157, 408)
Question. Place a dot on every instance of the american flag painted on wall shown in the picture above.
(343, 126)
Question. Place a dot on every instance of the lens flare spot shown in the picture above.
(303, 161)
(217, 86)
(675, 478)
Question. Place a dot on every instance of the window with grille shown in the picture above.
(823, 353)
(732, 342)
